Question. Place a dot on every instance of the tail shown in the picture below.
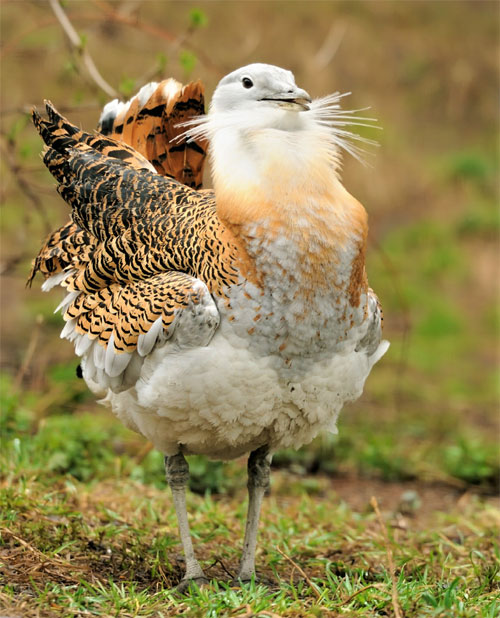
(149, 123)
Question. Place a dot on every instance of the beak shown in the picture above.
(298, 100)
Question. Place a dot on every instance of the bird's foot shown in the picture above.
(247, 578)
(243, 578)
(188, 582)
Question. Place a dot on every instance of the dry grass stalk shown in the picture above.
(313, 586)
(30, 352)
(249, 613)
(355, 594)
(388, 549)
(63, 567)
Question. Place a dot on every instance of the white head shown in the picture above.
(262, 96)
(259, 88)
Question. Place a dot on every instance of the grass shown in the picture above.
(87, 526)
(86, 521)
(110, 548)
(109, 551)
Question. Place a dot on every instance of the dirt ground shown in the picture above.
(417, 500)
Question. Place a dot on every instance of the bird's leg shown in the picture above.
(177, 471)
(259, 465)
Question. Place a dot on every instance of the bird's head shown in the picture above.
(257, 89)
(265, 97)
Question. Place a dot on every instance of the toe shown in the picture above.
(186, 584)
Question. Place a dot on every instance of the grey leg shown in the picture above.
(177, 471)
(259, 464)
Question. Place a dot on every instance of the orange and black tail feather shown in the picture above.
(149, 123)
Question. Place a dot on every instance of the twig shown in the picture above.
(219, 561)
(355, 594)
(314, 588)
(160, 33)
(76, 42)
(330, 46)
(388, 549)
(44, 557)
(30, 352)
(24, 185)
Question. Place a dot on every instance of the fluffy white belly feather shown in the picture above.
(223, 400)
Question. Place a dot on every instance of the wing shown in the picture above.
(150, 121)
(115, 328)
(375, 320)
(137, 257)
(133, 223)
(144, 134)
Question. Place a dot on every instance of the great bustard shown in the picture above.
(214, 322)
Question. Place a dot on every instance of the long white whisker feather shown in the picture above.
(325, 113)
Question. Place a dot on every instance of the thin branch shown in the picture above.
(30, 352)
(355, 594)
(221, 562)
(313, 586)
(63, 109)
(330, 46)
(160, 33)
(388, 549)
(76, 42)
(24, 185)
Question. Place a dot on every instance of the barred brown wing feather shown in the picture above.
(67, 247)
(129, 311)
(111, 328)
(140, 223)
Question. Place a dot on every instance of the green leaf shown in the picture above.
(83, 40)
(162, 60)
(127, 86)
(197, 18)
(188, 61)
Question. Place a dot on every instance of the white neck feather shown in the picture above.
(272, 163)
(272, 152)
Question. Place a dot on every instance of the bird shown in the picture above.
(227, 321)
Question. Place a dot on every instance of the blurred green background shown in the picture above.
(429, 71)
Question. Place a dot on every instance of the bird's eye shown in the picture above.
(247, 82)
